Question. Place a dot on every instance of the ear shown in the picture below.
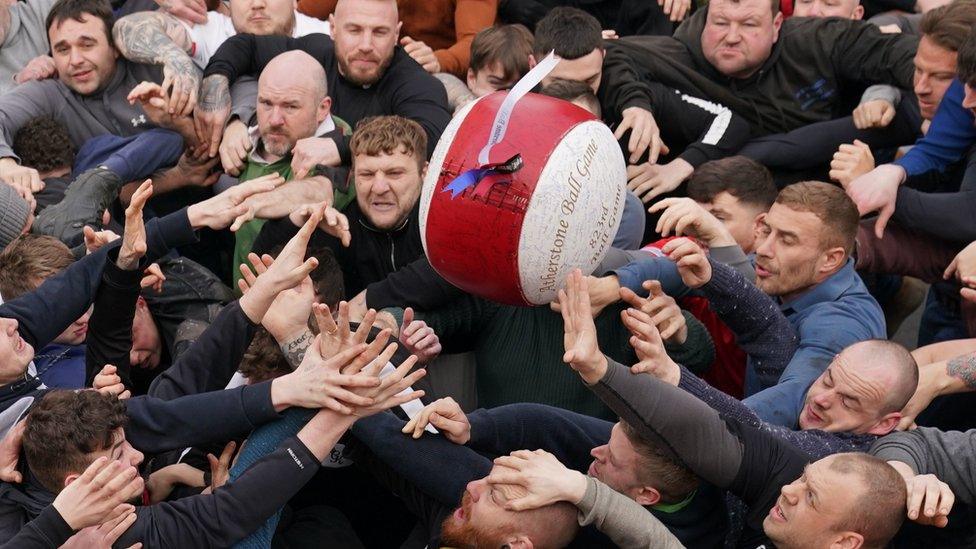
(70, 478)
(833, 260)
(532, 61)
(331, 24)
(519, 541)
(399, 24)
(323, 110)
(777, 23)
(858, 13)
(423, 171)
(886, 424)
(647, 496)
(470, 80)
(848, 540)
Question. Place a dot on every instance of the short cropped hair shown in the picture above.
(387, 135)
(508, 45)
(44, 144)
(570, 32)
(573, 90)
(65, 428)
(62, 10)
(896, 357)
(773, 5)
(880, 510)
(831, 205)
(744, 178)
(673, 481)
(29, 260)
(949, 25)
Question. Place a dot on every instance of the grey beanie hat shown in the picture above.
(14, 212)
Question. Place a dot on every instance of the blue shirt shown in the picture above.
(949, 137)
(832, 315)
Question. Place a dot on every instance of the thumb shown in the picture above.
(883, 217)
(407, 317)
(951, 269)
(887, 116)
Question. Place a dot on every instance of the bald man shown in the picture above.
(293, 108)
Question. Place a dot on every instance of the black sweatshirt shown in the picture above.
(405, 88)
(750, 463)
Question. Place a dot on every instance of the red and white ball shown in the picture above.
(517, 242)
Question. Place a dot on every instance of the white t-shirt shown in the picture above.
(219, 27)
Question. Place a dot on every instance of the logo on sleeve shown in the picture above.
(298, 462)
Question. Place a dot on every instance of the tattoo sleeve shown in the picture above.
(215, 93)
(153, 38)
(963, 368)
(294, 349)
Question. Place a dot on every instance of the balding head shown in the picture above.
(863, 390)
(292, 102)
(295, 69)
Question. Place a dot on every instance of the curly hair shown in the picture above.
(263, 359)
(44, 144)
(65, 428)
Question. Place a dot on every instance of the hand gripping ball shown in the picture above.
(548, 200)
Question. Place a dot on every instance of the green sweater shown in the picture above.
(519, 351)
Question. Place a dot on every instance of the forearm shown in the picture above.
(211, 360)
(153, 38)
(110, 327)
(623, 520)
(947, 216)
(294, 348)
(949, 455)
(679, 424)
(48, 531)
(293, 194)
(761, 329)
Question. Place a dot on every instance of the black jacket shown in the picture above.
(405, 88)
(814, 63)
(372, 254)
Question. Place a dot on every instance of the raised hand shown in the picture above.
(663, 310)
(419, 338)
(644, 134)
(134, 238)
(543, 477)
(447, 416)
(234, 147)
(579, 338)
(685, 217)
(649, 347)
(929, 499)
(220, 211)
(333, 222)
(336, 337)
(108, 382)
(211, 113)
(693, 265)
(648, 180)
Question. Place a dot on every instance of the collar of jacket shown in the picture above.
(689, 34)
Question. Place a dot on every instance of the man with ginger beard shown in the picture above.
(367, 73)
(447, 486)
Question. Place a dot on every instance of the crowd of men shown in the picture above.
(218, 325)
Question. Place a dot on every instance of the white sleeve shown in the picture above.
(208, 37)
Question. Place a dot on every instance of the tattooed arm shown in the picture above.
(956, 375)
(294, 349)
(210, 116)
(157, 38)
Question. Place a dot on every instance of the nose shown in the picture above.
(732, 36)
(75, 57)
(764, 245)
(365, 42)
(277, 117)
(824, 399)
(791, 493)
(969, 101)
(475, 488)
(597, 452)
(9, 325)
(136, 459)
(922, 86)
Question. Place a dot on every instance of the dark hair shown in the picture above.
(508, 45)
(831, 205)
(966, 60)
(44, 144)
(570, 32)
(673, 481)
(879, 511)
(29, 260)
(62, 10)
(63, 430)
(744, 178)
(327, 278)
(573, 90)
(949, 25)
(263, 359)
